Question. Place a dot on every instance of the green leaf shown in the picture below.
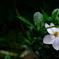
(28, 32)
(45, 16)
(26, 21)
(7, 57)
(2, 39)
(38, 26)
(54, 15)
(25, 39)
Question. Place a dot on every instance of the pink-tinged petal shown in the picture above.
(48, 39)
(56, 43)
(49, 29)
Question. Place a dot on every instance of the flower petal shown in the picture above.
(51, 24)
(53, 28)
(56, 43)
(49, 29)
(46, 25)
(48, 39)
(58, 29)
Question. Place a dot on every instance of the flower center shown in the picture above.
(56, 34)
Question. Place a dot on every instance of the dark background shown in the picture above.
(10, 26)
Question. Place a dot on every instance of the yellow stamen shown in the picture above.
(56, 34)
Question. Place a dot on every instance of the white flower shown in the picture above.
(53, 38)
(57, 16)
